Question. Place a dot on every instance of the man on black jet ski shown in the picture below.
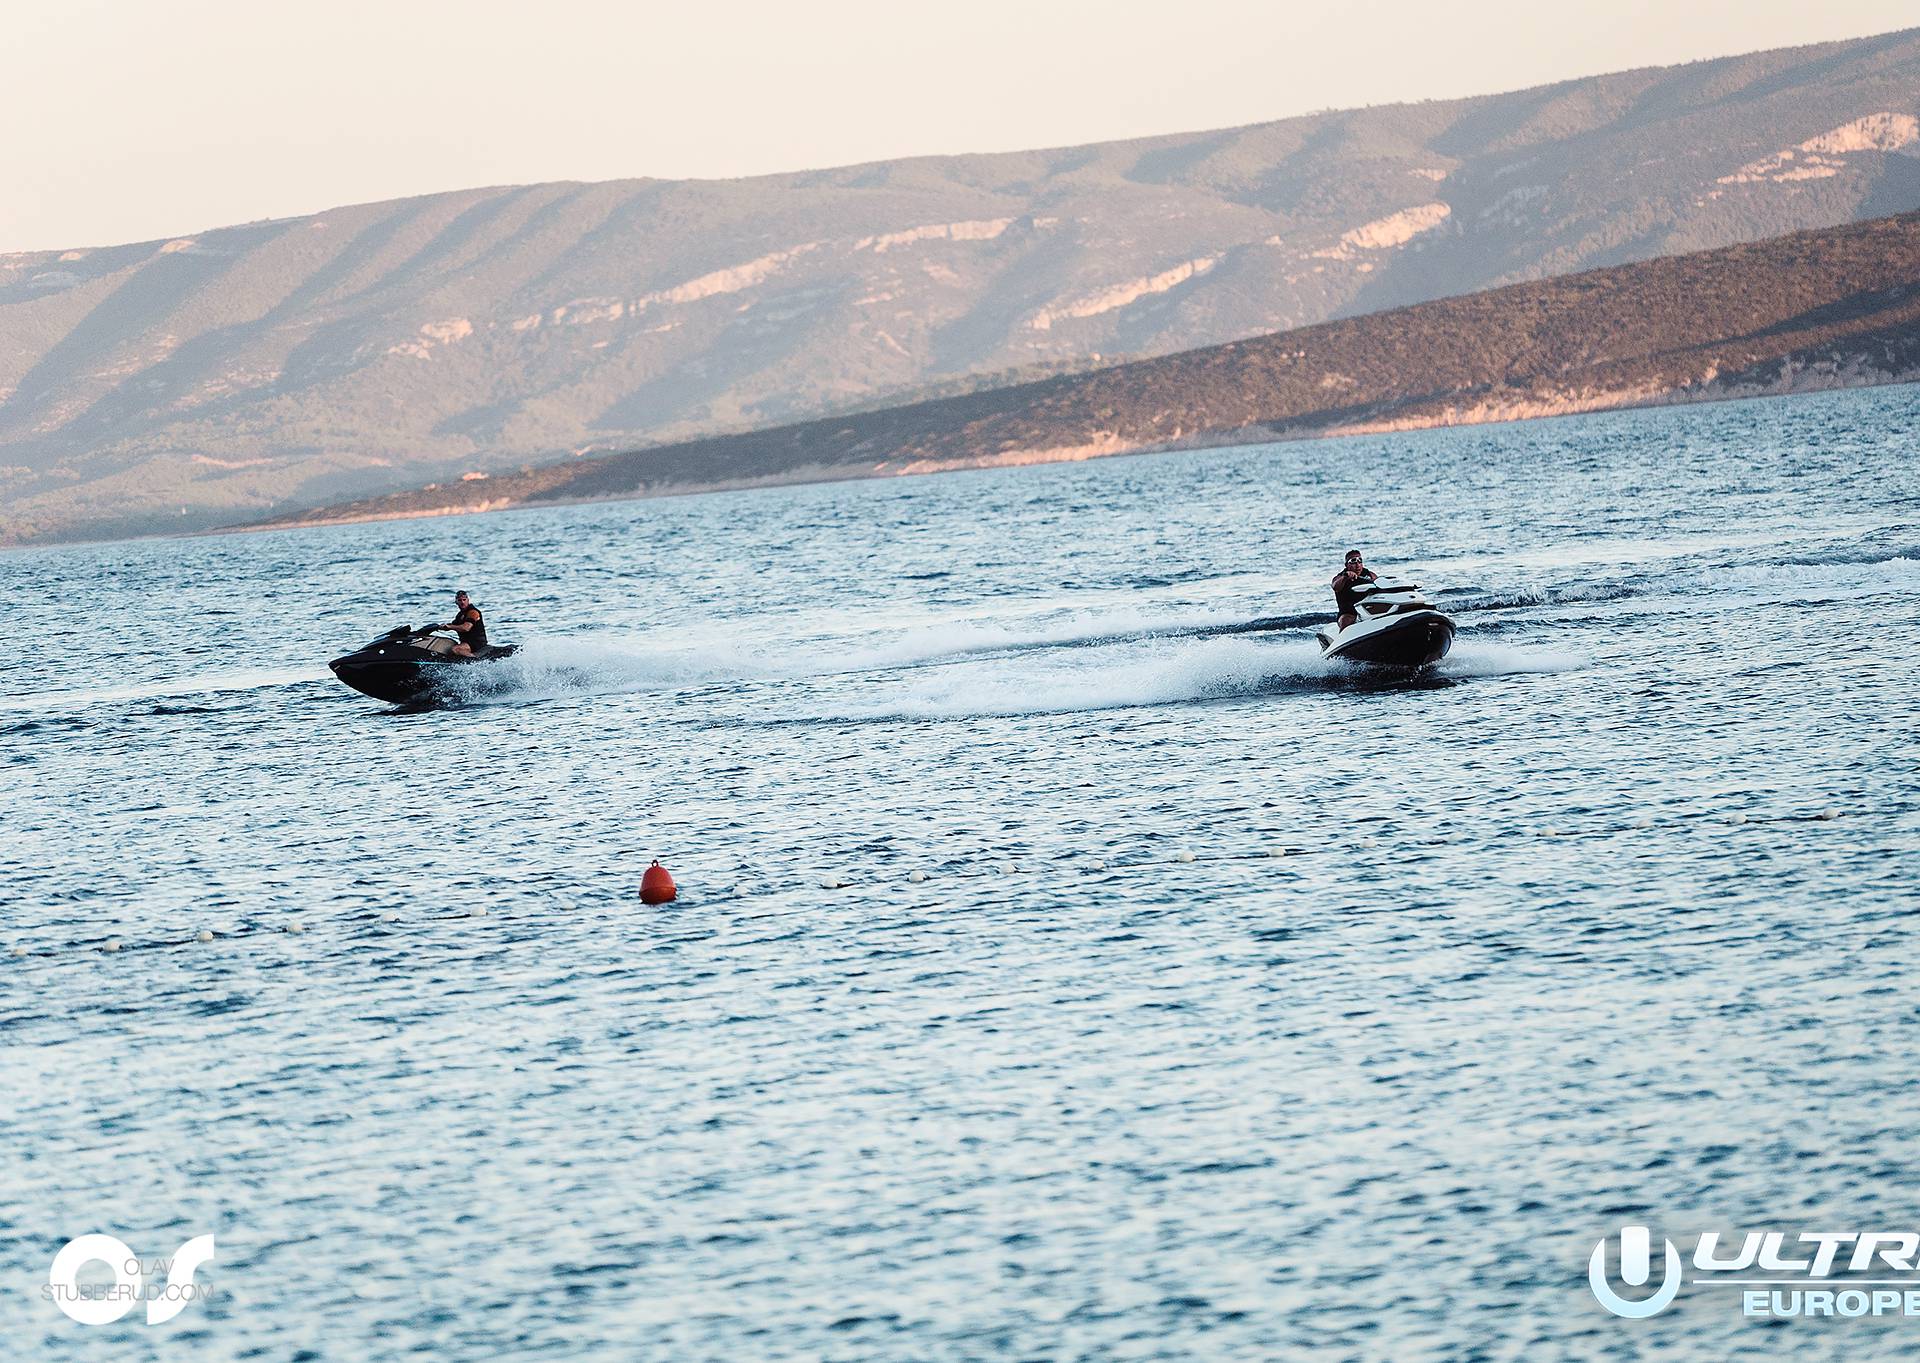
(468, 624)
(1348, 578)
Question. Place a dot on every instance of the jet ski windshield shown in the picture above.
(1386, 596)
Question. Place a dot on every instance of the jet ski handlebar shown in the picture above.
(1388, 596)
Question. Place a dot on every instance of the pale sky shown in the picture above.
(132, 119)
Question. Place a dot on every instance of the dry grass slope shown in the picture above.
(1823, 309)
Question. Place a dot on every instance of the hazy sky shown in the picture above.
(131, 119)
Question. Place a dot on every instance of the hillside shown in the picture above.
(280, 364)
(1833, 308)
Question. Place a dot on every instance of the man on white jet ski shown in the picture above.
(1345, 581)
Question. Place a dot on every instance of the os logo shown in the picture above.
(1636, 1246)
(103, 1307)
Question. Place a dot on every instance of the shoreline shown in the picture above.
(1440, 414)
(1483, 414)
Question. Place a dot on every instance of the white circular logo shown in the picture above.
(89, 1309)
(1636, 1252)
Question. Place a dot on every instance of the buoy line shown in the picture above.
(658, 887)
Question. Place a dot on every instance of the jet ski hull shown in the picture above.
(1415, 639)
(402, 674)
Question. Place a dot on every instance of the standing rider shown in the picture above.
(1350, 577)
(468, 624)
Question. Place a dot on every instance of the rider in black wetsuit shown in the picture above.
(1350, 577)
(469, 625)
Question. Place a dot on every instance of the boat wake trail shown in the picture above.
(1210, 670)
(549, 668)
(1053, 629)
(553, 667)
(161, 689)
(1055, 662)
(1481, 658)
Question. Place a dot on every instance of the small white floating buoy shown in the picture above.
(1736, 818)
(389, 917)
(1183, 856)
(1007, 868)
(20, 951)
(296, 926)
(916, 875)
(1367, 840)
(1096, 865)
(114, 945)
(205, 935)
(1644, 821)
(832, 883)
(477, 911)
(1828, 814)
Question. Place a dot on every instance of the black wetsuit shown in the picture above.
(474, 637)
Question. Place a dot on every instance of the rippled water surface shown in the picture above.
(1061, 970)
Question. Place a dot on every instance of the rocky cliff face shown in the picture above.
(195, 381)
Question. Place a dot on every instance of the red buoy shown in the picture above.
(656, 886)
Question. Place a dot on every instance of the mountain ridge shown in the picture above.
(195, 381)
(1810, 311)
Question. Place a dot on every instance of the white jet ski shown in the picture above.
(1394, 626)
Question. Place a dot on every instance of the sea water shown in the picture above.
(1059, 970)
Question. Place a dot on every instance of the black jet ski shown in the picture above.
(1394, 626)
(409, 666)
